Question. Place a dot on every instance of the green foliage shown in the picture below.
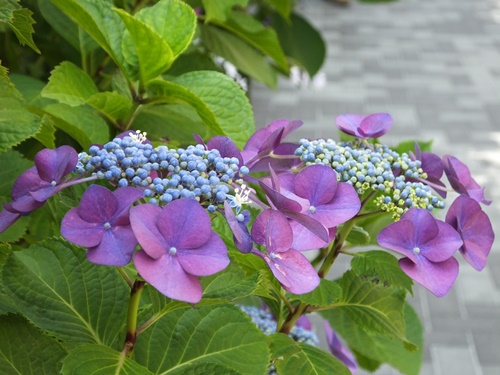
(326, 294)
(19, 20)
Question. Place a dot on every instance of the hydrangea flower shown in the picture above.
(428, 245)
(432, 165)
(461, 180)
(339, 350)
(101, 223)
(238, 225)
(178, 245)
(292, 269)
(474, 226)
(34, 186)
(371, 126)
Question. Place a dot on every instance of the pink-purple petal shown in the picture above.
(317, 183)
(27, 181)
(79, 231)
(426, 227)
(205, 260)
(344, 206)
(444, 245)
(98, 204)
(339, 350)
(310, 223)
(7, 218)
(375, 125)
(241, 237)
(304, 239)
(349, 123)
(116, 247)
(271, 229)
(125, 197)
(143, 219)
(436, 277)
(226, 147)
(399, 236)
(168, 277)
(52, 165)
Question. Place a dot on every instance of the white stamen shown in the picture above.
(172, 251)
(53, 183)
(312, 209)
(107, 225)
(416, 250)
(138, 136)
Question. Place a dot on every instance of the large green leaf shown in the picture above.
(93, 359)
(66, 295)
(219, 10)
(47, 133)
(375, 348)
(283, 7)
(292, 357)
(227, 101)
(374, 307)
(69, 84)
(301, 41)
(221, 335)
(173, 20)
(325, 294)
(30, 88)
(381, 267)
(13, 164)
(239, 53)
(81, 123)
(27, 351)
(257, 35)
(144, 48)
(19, 20)
(111, 105)
(15, 126)
(10, 97)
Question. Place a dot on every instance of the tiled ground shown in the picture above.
(435, 66)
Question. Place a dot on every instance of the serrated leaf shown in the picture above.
(10, 97)
(257, 35)
(209, 368)
(15, 126)
(373, 307)
(325, 294)
(381, 266)
(82, 124)
(46, 135)
(26, 350)
(111, 105)
(292, 357)
(66, 295)
(379, 349)
(173, 20)
(301, 42)
(30, 89)
(16, 231)
(407, 146)
(203, 335)
(13, 164)
(92, 359)
(358, 236)
(226, 100)
(219, 10)
(171, 92)
(243, 56)
(144, 48)
(69, 84)
(22, 25)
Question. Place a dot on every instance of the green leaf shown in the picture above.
(15, 126)
(22, 25)
(203, 335)
(283, 7)
(27, 351)
(30, 89)
(373, 307)
(66, 295)
(257, 35)
(46, 135)
(230, 284)
(10, 97)
(111, 105)
(13, 164)
(358, 236)
(82, 124)
(170, 92)
(381, 266)
(173, 20)
(325, 294)
(291, 357)
(196, 60)
(226, 100)
(301, 41)
(99, 359)
(372, 348)
(407, 146)
(16, 231)
(209, 368)
(144, 48)
(246, 59)
(69, 84)
(219, 10)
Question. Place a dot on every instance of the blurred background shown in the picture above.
(435, 66)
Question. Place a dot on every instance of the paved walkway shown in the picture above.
(435, 66)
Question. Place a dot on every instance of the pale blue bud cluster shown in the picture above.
(165, 173)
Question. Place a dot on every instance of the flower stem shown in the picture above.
(133, 307)
(337, 245)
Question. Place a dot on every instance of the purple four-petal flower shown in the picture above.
(371, 126)
(178, 245)
(428, 245)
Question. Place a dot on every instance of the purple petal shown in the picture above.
(271, 229)
(444, 245)
(23, 204)
(349, 123)
(375, 125)
(79, 231)
(53, 165)
(344, 206)
(27, 181)
(288, 126)
(143, 220)
(116, 247)
(304, 239)
(45, 192)
(304, 322)
(399, 236)
(184, 224)
(226, 148)
(125, 197)
(310, 223)
(280, 201)
(339, 350)
(292, 270)
(317, 183)
(168, 277)
(474, 226)
(436, 277)
(432, 165)
(98, 204)
(426, 227)
(7, 218)
(279, 165)
(241, 237)
(206, 260)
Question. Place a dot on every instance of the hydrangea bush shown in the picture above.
(190, 243)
